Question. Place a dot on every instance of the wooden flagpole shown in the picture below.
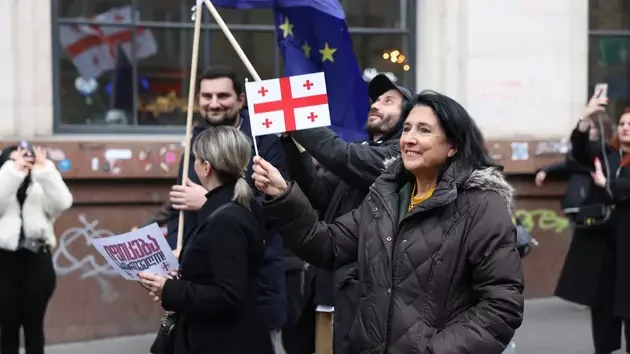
(189, 116)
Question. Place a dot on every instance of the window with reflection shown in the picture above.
(609, 15)
(609, 51)
(609, 62)
(384, 53)
(376, 13)
(260, 48)
(88, 8)
(98, 76)
(126, 63)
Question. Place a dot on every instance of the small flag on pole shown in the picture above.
(288, 104)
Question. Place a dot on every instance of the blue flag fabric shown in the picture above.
(313, 36)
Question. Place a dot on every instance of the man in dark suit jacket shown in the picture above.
(221, 100)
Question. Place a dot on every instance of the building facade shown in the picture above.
(497, 58)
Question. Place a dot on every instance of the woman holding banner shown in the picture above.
(32, 196)
(214, 297)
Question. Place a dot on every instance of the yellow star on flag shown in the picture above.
(286, 27)
(327, 53)
(307, 49)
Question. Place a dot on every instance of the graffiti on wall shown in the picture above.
(543, 219)
(74, 254)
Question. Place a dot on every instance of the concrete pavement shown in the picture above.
(126, 345)
(551, 326)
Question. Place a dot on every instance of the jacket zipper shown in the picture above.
(397, 230)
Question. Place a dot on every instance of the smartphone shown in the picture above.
(601, 90)
(28, 147)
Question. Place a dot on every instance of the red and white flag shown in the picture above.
(92, 48)
(287, 104)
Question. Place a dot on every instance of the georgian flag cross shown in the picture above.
(287, 104)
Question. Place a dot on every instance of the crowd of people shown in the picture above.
(403, 243)
(400, 243)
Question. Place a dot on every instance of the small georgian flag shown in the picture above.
(288, 104)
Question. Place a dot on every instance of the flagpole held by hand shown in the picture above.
(189, 117)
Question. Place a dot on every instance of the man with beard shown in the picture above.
(221, 100)
(350, 170)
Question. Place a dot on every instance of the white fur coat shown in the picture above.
(46, 198)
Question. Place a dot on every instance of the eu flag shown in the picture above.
(313, 36)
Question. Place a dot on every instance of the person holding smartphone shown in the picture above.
(32, 196)
(597, 268)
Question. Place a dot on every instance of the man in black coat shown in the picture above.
(350, 170)
(221, 100)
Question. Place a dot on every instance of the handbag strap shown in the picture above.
(199, 226)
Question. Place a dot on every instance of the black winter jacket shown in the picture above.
(350, 170)
(442, 278)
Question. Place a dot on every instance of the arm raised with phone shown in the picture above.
(583, 150)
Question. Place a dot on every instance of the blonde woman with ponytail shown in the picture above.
(214, 294)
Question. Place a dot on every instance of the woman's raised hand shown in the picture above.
(267, 178)
(597, 103)
(22, 161)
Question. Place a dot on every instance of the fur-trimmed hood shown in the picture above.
(492, 179)
(487, 179)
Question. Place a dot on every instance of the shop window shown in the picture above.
(384, 53)
(609, 15)
(609, 62)
(124, 64)
(377, 13)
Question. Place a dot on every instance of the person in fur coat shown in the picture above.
(32, 196)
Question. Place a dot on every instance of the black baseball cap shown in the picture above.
(381, 84)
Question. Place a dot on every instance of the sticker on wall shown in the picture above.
(94, 164)
(170, 157)
(560, 147)
(144, 159)
(55, 154)
(64, 165)
(520, 151)
(118, 154)
(114, 155)
(143, 154)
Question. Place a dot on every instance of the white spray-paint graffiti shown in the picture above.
(66, 263)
